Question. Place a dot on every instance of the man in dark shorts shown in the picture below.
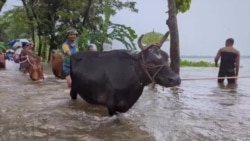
(229, 62)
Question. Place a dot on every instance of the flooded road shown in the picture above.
(201, 110)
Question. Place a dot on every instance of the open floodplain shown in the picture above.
(198, 110)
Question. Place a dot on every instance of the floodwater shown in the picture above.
(198, 110)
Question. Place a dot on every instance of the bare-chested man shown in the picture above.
(229, 61)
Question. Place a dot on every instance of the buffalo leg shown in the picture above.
(73, 91)
(73, 94)
(111, 110)
(111, 106)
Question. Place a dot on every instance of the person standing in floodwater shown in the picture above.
(69, 47)
(25, 53)
(229, 62)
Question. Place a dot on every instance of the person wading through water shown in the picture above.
(229, 62)
(25, 53)
(69, 47)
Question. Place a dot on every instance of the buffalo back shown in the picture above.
(56, 64)
(35, 68)
(2, 60)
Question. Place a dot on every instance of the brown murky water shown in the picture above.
(201, 110)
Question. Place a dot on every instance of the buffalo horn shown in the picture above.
(140, 43)
(163, 39)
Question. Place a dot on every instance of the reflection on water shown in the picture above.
(231, 88)
(196, 110)
(228, 85)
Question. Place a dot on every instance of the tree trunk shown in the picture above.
(86, 13)
(174, 36)
(30, 17)
(53, 46)
(32, 14)
(40, 45)
(2, 2)
(52, 39)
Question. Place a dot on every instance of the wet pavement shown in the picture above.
(200, 110)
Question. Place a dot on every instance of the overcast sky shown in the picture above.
(202, 30)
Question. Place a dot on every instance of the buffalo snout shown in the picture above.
(174, 80)
(168, 78)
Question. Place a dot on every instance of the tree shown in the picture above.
(175, 6)
(100, 29)
(2, 47)
(111, 31)
(2, 2)
(31, 21)
(14, 24)
(90, 17)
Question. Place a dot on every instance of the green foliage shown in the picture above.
(3, 47)
(186, 63)
(151, 38)
(111, 31)
(100, 29)
(183, 5)
(85, 38)
(90, 17)
(14, 24)
(120, 32)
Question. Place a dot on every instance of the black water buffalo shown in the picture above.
(116, 78)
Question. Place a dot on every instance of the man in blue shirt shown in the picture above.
(69, 47)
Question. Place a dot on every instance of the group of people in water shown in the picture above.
(21, 54)
(229, 58)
